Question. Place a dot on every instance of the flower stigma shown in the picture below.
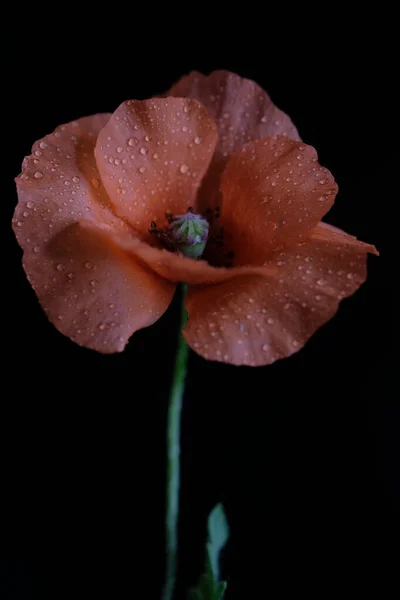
(186, 234)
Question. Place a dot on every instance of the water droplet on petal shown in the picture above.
(36, 248)
(198, 140)
(76, 179)
(89, 265)
(184, 169)
(143, 150)
(60, 267)
(38, 175)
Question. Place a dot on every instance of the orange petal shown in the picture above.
(256, 320)
(275, 193)
(92, 291)
(60, 185)
(176, 267)
(152, 156)
(328, 233)
(242, 111)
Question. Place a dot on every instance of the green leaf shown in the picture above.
(218, 533)
(220, 590)
(209, 587)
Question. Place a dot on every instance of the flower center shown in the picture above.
(192, 234)
(187, 234)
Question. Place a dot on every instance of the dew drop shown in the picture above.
(143, 150)
(76, 179)
(71, 275)
(30, 204)
(264, 348)
(60, 267)
(102, 326)
(36, 248)
(119, 149)
(132, 142)
(184, 168)
(89, 265)
(38, 175)
(43, 145)
(270, 321)
(95, 183)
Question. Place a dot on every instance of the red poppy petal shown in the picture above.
(255, 320)
(176, 267)
(275, 193)
(152, 156)
(243, 112)
(92, 291)
(60, 185)
(329, 233)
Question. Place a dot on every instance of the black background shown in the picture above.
(303, 453)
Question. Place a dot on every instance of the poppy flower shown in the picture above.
(115, 210)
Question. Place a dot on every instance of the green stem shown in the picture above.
(173, 454)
